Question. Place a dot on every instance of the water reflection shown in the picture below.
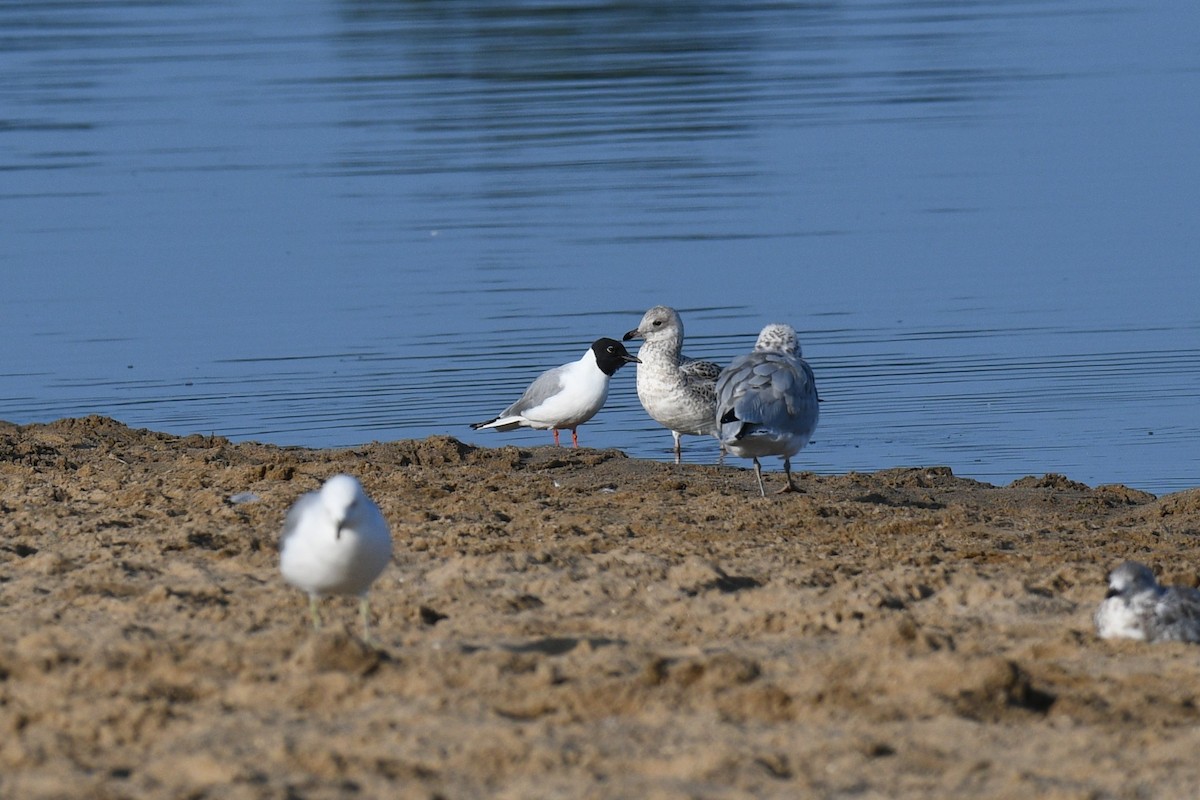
(533, 122)
(633, 121)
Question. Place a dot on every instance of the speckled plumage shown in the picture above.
(677, 392)
(1137, 607)
(767, 401)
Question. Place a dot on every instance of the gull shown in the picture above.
(335, 541)
(767, 402)
(1137, 607)
(563, 398)
(677, 392)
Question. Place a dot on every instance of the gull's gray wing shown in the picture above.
(768, 391)
(696, 369)
(700, 377)
(732, 385)
(546, 385)
(1177, 615)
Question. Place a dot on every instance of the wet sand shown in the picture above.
(576, 624)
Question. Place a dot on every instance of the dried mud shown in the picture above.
(575, 624)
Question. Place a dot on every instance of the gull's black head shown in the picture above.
(611, 355)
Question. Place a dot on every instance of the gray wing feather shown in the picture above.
(1177, 615)
(695, 369)
(700, 377)
(548, 384)
(767, 390)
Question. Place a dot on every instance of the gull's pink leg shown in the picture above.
(555, 436)
(574, 437)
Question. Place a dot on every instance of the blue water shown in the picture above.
(325, 223)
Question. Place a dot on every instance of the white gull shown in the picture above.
(335, 541)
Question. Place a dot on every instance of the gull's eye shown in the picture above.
(658, 323)
(612, 349)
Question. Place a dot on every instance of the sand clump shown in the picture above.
(562, 623)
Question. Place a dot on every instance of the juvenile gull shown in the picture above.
(565, 397)
(1137, 607)
(335, 541)
(767, 402)
(677, 392)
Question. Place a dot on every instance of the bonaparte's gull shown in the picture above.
(1137, 607)
(335, 541)
(767, 402)
(677, 392)
(565, 397)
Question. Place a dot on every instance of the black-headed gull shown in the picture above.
(563, 398)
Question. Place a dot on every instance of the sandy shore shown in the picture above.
(576, 624)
